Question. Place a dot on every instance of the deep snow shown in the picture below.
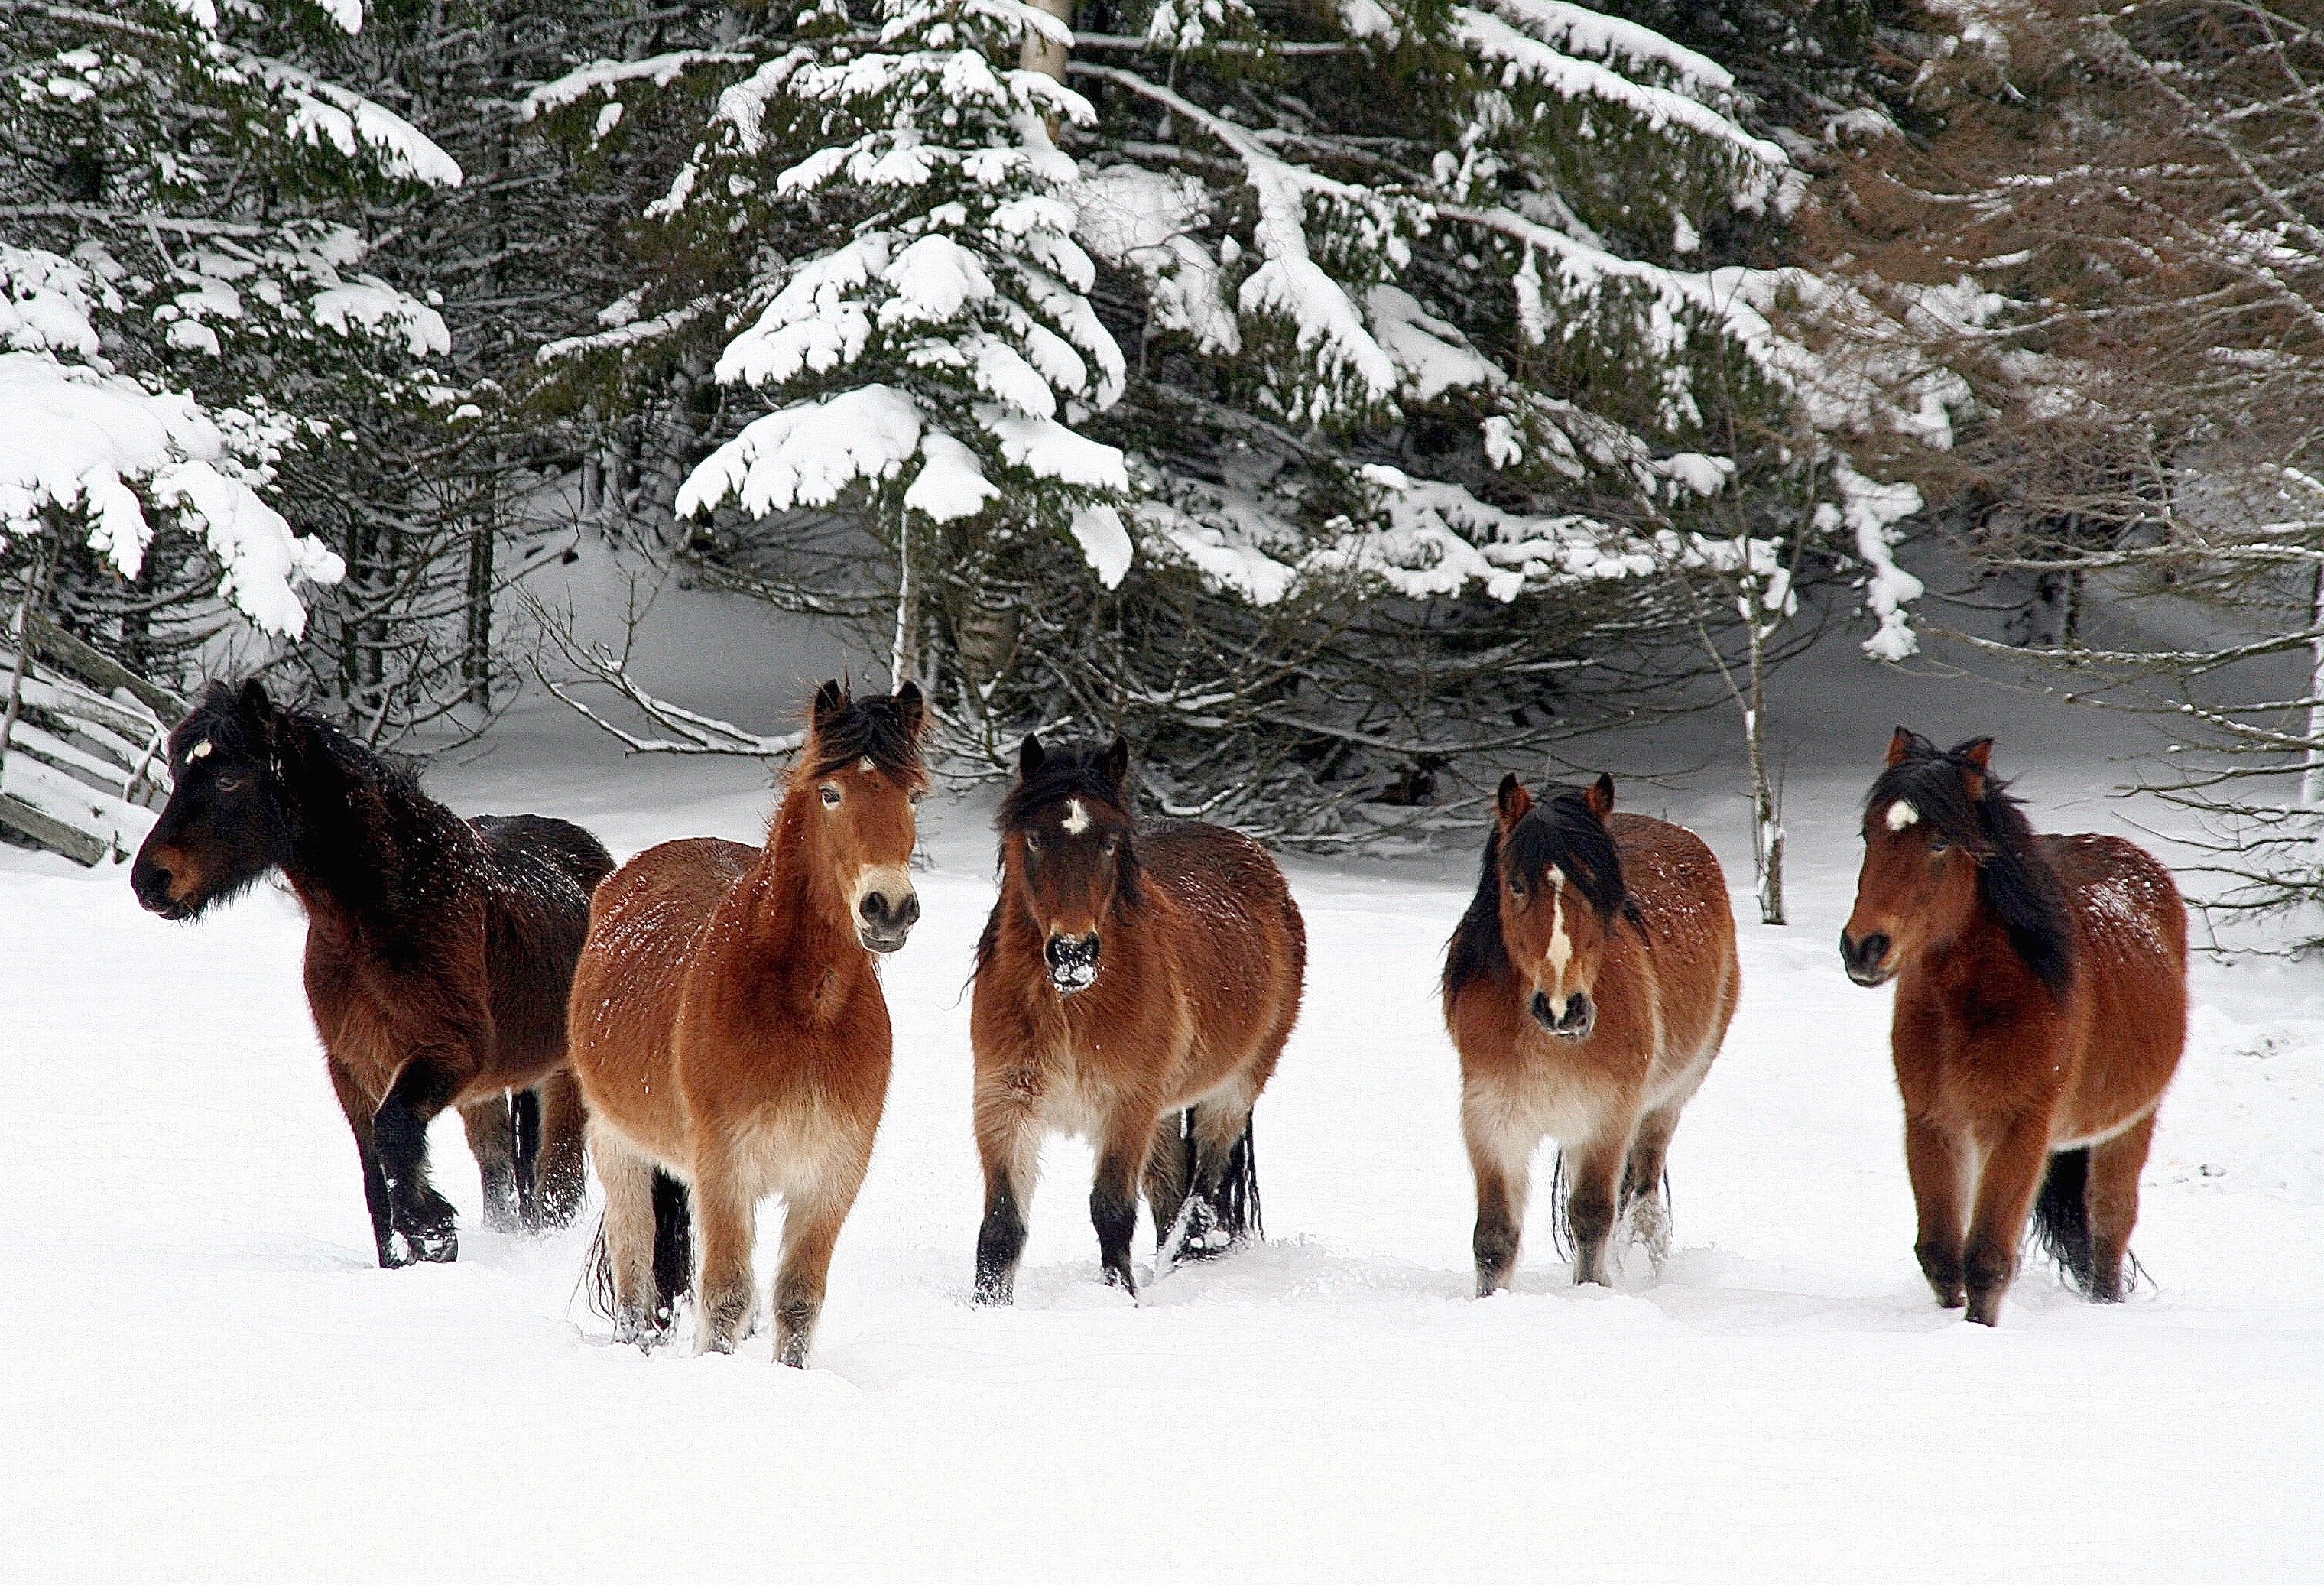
(209, 1380)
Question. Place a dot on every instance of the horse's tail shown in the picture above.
(673, 1261)
(673, 1253)
(2062, 1216)
(1237, 1199)
(524, 1127)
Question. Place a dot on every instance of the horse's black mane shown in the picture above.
(877, 728)
(1561, 829)
(2015, 880)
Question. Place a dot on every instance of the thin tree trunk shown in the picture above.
(1767, 810)
(904, 660)
(35, 577)
(2311, 785)
(1044, 55)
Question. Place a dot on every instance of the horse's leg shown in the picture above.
(1165, 1176)
(2004, 1192)
(811, 1224)
(492, 1140)
(423, 1218)
(725, 1224)
(1933, 1158)
(1642, 1179)
(358, 1107)
(2112, 1194)
(560, 1170)
(1501, 1156)
(629, 1235)
(1591, 1202)
(1008, 1144)
(1113, 1193)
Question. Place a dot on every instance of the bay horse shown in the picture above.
(732, 1038)
(1134, 985)
(439, 950)
(2041, 1009)
(1588, 988)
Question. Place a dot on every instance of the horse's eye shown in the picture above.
(1516, 887)
(830, 798)
(1112, 846)
(1937, 844)
(232, 783)
(1032, 843)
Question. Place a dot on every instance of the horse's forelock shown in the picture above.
(1561, 829)
(1074, 770)
(874, 729)
(2014, 878)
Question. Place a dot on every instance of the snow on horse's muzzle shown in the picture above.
(1072, 962)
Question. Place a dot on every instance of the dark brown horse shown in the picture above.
(1588, 988)
(1134, 986)
(439, 950)
(731, 1035)
(2040, 1007)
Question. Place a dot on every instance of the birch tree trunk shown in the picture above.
(2311, 784)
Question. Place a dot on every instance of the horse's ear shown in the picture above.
(1975, 758)
(1600, 795)
(1906, 745)
(1030, 754)
(912, 709)
(829, 700)
(1513, 801)
(1117, 763)
(254, 703)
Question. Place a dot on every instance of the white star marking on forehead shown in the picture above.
(197, 750)
(1900, 814)
(867, 767)
(1077, 819)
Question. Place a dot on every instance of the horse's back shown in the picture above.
(1681, 893)
(644, 921)
(1243, 948)
(2131, 959)
(537, 881)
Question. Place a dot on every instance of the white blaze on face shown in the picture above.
(197, 750)
(1900, 814)
(1561, 944)
(867, 767)
(1076, 820)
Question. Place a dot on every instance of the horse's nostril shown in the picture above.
(908, 913)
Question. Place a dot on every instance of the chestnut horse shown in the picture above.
(1587, 989)
(730, 1033)
(1134, 986)
(2040, 1007)
(439, 950)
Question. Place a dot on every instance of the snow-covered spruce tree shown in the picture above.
(928, 352)
(187, 315)
(1454, 348)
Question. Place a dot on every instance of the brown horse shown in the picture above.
(1587, 989)
(439, 950)
(1134, 986)
(2040, 1007)
(730, 1032)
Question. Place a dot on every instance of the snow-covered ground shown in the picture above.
(208, 1378)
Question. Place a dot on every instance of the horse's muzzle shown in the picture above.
(152, 883)
(1579, 1016)
(886, 921)
(1072, 962)
(1866, 961)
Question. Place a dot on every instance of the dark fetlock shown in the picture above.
(1942, 1267)
(427, 1227)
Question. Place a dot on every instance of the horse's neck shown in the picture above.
(798, 919)
(351, 844)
